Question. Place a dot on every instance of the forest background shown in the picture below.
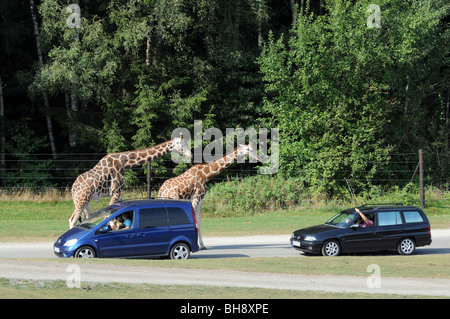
(354, 100)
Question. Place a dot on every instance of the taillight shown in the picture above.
(195, 219)
(429, 230)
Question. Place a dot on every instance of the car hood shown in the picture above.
(314, 230)
(73, 233)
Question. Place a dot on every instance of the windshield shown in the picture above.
(343, 219)
(98, 217)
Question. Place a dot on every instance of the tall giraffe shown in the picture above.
(106, 178)
(191, 184)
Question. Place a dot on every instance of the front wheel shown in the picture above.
(179, 251)
(85, 252)
(331, 248)
(406, 246)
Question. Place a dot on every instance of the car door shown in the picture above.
(118, 243)
(390, 229)
(152, 237)
(360, 238)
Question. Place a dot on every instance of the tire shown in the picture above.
(85, 252)
(180, 251)
(406, 246)
(331, 248)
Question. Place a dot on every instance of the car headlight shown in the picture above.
(310, 238)
(70, 242)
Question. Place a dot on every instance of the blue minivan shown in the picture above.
(137, 228)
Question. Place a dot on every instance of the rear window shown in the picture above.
(412, 217)
(153, 217)
(177, 216)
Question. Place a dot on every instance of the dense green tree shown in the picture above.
(345, 93)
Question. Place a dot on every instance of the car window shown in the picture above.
(389, 218)
(153, 217)
(412, 217)
(97, 217)
(177, 216)
(343, 219)
(123, 221)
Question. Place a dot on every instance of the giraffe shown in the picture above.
(106, 178)
(191, 184)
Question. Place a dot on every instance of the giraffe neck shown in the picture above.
(217, 166)
(136, 158)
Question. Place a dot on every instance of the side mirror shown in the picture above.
(104, 229)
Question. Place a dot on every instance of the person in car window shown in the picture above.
(366, 222)
(126, 221)
(122, 222)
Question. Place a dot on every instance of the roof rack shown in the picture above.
(383, 204)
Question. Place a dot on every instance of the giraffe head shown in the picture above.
(248, 150)
(180, 145)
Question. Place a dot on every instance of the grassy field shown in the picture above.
(30, 289)
(45, 219)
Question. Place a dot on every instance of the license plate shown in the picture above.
(296, 243)
(56, 249)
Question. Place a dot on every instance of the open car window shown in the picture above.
(97, 218)
(343, 219)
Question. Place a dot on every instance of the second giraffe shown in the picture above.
(191, 184)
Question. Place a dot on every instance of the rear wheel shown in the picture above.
(406, 246)
(85, 252)
(179, 251)
(331, 248)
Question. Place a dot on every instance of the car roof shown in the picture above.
(135, 202)
(376, 207)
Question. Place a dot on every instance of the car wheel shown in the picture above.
(85, 252)
(179, 251)
(406, 246)
(331, 248)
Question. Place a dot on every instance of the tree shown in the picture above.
(336, 88)
(44, 92)
(81, 67)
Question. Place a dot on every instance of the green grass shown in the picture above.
(31, 289)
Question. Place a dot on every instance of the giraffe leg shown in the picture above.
(115, 197)
(86, 211)
(199, 224)
(73, 219)
(116, 188)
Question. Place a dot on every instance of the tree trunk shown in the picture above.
(447, 129)
(293, 12)
(71, 107)
(74, 109)
(45, 94)
(2, 136)
(148, 55)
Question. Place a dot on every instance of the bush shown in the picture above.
(252, 195)
(268, 194)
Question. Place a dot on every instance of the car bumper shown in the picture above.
(423, 240)
(63, 251)
(313, 247)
